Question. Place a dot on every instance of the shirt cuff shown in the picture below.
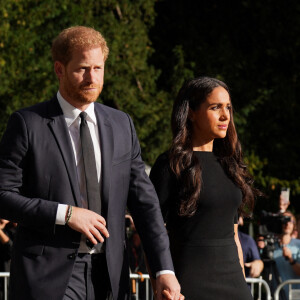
(61, 214)
(164, 272)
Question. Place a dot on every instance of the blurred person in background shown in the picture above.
(287, 253)
(283, 203)
(252, 261)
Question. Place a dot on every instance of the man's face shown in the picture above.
(81, 80)
(283, 204)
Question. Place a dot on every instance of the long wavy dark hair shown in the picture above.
(183, 161)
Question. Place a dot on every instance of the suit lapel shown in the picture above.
(107, 149)
(60, 131)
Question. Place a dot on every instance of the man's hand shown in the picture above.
(167, 287)
(89, 223)
(256, 267)
(3, 223)
(287, 253)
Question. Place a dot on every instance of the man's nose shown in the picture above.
(90, 76)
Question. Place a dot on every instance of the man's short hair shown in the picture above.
(77, 37)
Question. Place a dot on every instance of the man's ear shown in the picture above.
(59, 69)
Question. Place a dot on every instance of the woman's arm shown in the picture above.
(239, 247)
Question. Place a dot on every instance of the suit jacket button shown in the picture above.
(72, 256)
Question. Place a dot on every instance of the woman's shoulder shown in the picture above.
(163, 159)
(161, 166)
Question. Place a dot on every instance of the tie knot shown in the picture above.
(83, 116)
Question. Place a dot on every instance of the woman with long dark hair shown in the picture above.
(203, 185)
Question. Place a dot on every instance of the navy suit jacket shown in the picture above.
(38, 171)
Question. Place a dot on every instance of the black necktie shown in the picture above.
(90, 171)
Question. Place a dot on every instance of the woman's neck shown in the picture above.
(206, 146)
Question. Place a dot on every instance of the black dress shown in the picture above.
(203, 249)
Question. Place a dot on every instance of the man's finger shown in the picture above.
(100, 227)
(91, 238)
(95, 232)
(101, 220)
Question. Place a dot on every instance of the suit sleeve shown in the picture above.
(38, 214)
(145, 209)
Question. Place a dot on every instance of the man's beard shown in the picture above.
(81, 94)
(85, 96)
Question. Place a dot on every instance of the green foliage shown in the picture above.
(27, 28)
(26, 32)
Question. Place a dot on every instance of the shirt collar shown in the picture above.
(71, 113)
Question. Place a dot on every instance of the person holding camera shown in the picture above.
(287, 252)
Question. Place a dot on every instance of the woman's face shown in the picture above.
(211, 120)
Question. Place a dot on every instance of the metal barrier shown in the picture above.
(261, 282)
(135, 279)
(294, 294)
(5, 275)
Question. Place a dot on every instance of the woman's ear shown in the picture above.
(191, 115)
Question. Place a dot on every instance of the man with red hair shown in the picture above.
(69, 167)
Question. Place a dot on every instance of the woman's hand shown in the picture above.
(167, 295)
